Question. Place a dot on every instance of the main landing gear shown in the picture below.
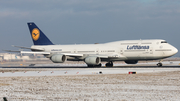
(99, 65)
(109, 64)
(160, 64)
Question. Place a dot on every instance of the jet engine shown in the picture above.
(131, 61)
(58, 58)
(92, 60)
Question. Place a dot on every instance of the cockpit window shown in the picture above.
(163, 41)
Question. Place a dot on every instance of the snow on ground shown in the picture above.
(153, 86)
(88, 84)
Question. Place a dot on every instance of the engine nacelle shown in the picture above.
(131, 61)
(58, 58)
(92, 60)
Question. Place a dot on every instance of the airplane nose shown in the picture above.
(175, 50)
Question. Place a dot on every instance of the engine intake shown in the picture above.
(92, 60)
(58, 58)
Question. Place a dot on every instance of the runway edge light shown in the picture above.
(132, 72)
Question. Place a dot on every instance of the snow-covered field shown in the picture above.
(151, 86)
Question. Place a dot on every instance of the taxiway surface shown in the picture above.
(81, 69)
(60, 71)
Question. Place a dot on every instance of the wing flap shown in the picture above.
(30, 52)
(110, 56)
(67, 54)
(72, 54)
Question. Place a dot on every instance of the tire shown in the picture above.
(95, 65)
(109, 64)
(159, 64)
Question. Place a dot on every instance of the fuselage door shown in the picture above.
(151, 50)
(97, 51)
(74, 51)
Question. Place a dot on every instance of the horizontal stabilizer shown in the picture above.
(39, 49)
(11, 51)
(21, 47)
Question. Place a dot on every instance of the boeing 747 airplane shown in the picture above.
(129, 51)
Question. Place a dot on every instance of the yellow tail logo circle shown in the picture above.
(35, 34)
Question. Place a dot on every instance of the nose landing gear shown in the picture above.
(160, 64)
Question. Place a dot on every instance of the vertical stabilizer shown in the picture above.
(38, 37)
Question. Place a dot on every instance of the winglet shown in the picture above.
(38, 37)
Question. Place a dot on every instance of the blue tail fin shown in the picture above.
(38, 37)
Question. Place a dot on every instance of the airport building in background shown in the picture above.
(20, 57)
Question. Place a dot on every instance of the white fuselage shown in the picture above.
(116, 51)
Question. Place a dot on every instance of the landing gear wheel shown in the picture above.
(99, 65)
(159, 64)
(90, 65)
(109, 64)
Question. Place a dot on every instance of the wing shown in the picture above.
(109, 55)
(45, 53)
(76, 55)
(104, 56)
(40, 49)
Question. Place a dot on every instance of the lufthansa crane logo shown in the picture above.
(35, 34)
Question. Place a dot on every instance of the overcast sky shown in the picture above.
(89, 21)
